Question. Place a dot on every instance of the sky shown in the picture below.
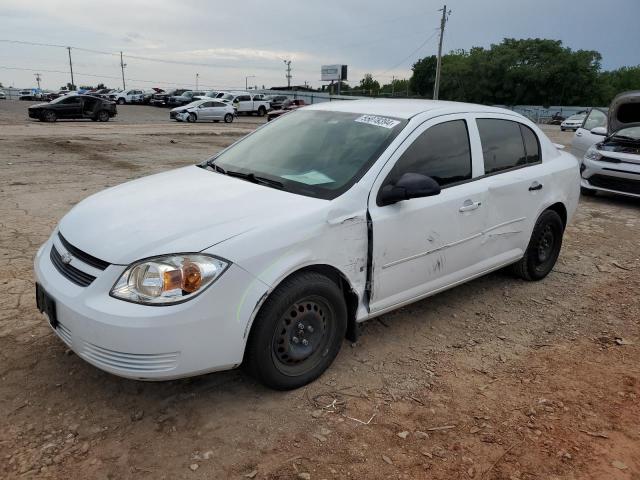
(167, 43)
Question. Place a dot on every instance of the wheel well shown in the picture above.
(561, 210)
(350, 297)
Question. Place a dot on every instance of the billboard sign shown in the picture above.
(329, 73)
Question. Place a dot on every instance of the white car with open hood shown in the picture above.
(270, 253)
(613, 163)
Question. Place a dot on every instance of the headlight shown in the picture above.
(168, 279)
(592, 154)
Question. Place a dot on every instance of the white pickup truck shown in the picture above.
(127, 96)
(245, 102)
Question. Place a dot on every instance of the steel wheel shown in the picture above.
(303, 335)
(228, 118)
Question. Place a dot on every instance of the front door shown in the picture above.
(425, 244)
(70, 107)
(583, 137)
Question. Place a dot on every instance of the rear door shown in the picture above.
(583, 137)
(424, 244)
(515, 178)
(218, 110)
(70, 107)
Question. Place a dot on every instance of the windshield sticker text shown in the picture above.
(378, 121)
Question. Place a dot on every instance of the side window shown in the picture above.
(442, 152)
(218, 104)
(243, 98)
(502, 144)
(531, 144)
(595, 119)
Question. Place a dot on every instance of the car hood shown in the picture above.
(624, 111)
(184, 210)
(38, 105)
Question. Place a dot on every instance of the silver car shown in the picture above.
(613, 164)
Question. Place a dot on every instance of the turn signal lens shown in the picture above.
(169, 279)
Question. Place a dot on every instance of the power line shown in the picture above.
(411, 54)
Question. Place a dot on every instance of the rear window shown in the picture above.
(502, 145)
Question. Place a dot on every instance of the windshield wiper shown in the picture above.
(253, 178)
(625, 137)
(210, 163)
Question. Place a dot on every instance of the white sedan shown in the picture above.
(271, 252)
(204, 111)
(573, 122)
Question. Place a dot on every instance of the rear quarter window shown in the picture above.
(503, 145)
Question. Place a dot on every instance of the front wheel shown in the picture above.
(103, 116)
(544, 248)
(121, 101)
(298, 332)
(228, 118)
(192, 118)
(50, 116)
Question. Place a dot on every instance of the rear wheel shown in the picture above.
(228, 118)
(544, 248)
(262, 111)
(588, 192)
(49, 116)
(103, 116)
(298, 332)
(192, 118)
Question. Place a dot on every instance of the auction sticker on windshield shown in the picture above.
(378, 121)
(312, 177)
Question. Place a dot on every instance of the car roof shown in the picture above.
(403, 108)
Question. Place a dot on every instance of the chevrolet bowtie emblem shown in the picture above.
(66, 258)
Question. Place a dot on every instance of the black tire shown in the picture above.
(543, 249)
(588, 192)
(103, 116)
(192, 118)
(121, 101)
(297, 333)
(262, 111)
(228, 118)
(49, 116)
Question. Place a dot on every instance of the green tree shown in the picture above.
(368, 85)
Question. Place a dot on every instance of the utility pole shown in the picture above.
(73, 85)
(443, 21)
(38, 78)
(288, 64)
(197, 77)
(393, 84)
(122, 65)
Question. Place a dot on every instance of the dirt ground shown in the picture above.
(496, 379)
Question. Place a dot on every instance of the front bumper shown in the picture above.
(622, 178)
(205, 334)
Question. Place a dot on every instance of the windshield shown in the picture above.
(315, 153)
(630, 133)
(61, 99)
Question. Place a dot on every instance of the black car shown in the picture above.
(162, 99)
(74, 106)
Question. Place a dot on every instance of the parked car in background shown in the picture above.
(276, 101)
(287, 106)
(209, 95)
(613, 163)
(74, 107)
(3, 96)
(203, 111)
(127, 96)
(556, 119)
(273, 250)
(185, 97)
(247, 103)
(573, 122)
(29, 95)
(148, 94)
(592, 130)
(162, 99)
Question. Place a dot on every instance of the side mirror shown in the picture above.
(599, 131)
(410, 185)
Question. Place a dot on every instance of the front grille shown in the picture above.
(135, 363)
(70, 272)
(618, 184)
(83, 256)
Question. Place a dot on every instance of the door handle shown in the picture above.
(535, 186)
(578, 134)
(469, 205)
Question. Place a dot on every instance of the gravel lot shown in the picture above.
(496, 379)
